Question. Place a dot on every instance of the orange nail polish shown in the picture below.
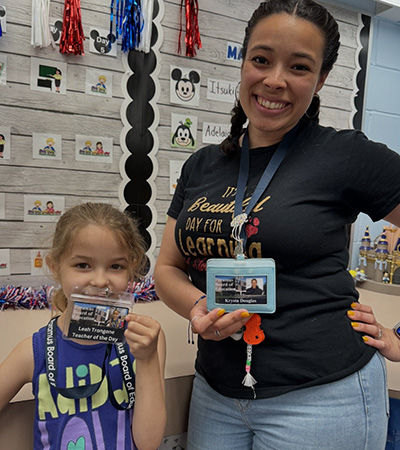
(351, 313)
(221, 312)
(355, 324)
(245, 314)
(354, 305)
(365, 338)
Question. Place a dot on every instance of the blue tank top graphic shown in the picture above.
(85, 424)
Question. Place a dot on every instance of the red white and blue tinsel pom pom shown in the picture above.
(18, 297)
(144, 290)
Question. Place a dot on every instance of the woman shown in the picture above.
(318, 384)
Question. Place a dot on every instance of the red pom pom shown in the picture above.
(72, 36)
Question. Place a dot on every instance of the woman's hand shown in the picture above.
(141, 335)
(216, 325)
(375, 334)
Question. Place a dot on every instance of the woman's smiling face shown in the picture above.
(280, 75)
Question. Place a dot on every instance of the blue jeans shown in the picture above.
(349, 414)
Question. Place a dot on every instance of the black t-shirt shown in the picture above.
(302, 222)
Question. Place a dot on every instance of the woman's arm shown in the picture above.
(146, 341)
(394, 216)
(15, 371)
(178, 292)
(172, 281)
(363, 320)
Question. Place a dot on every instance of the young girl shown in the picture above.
(94, 245)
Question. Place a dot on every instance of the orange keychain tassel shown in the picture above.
(253, 335)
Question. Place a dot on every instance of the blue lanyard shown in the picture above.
(79, 392)
(240, 217)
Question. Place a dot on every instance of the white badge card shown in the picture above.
(98, 317)
(242, 283)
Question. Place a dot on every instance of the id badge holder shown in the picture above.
(242, 283)
(97, 315)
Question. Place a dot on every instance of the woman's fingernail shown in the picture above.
(351, 313)
(355, 324)
(221, 312)
(245, 314)
(354, 305)
(365, 338)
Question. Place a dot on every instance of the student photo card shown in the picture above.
(94, 149)
(99, 82)
(46, 146)
(5, 146)
(43, 208)
(48, 76)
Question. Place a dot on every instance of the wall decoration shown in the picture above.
(5, 262)
(100, 42)
(40, 28)
(139, 138)
(5, 143)
(3, 69)
(38, 264)
(72, 37)
(221, 90)
(3, 20)
(2, 205)
(175, 168)
(94, 149)
(234, 52)
(98, 82)
(146, 25)
(183, 131)
(56, 29)
(192, 36)
(46, 146)
(215, 133)
(48, 76)
(128, 17)
(43, 208)
(184, 86)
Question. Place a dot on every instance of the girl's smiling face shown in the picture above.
(280, 75)
(96, 258)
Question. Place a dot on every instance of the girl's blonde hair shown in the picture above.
(101, 214)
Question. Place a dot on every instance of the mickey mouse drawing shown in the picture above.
(102, 44)
(185, 87)
(182, 136)
(56, 29)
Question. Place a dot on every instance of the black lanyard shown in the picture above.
(78, 392)
(240, 217)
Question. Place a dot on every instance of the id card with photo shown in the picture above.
(98, 317)
(241, 283)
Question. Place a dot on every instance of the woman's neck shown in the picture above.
(258, 138)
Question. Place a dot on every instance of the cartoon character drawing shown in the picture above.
(49, 208)
(101, 84)
(37, 208)
(2, 144)
(182, 136)
(56, 29)
(102, 44)
(99, 149)
(57, 79)
(87, 149)
(185, 87)
(49, 149)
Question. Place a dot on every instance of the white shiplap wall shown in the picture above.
(27, 111)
